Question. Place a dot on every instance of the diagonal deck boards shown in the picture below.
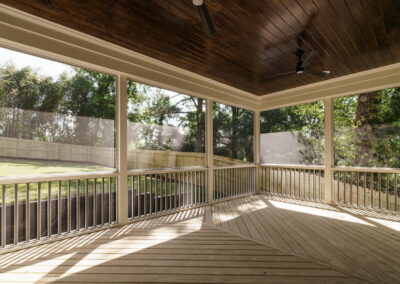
(177, 248)
(347, 239)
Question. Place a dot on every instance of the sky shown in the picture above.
(42, 66)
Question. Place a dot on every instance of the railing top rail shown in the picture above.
(55, 177)
(165, 170)
(368, 170)
(239, 166)
(305, 167)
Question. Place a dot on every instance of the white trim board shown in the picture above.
(374, 79)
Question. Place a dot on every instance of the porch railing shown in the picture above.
(48, 206)
(304, 182)
(230, 181)
(44, 207)
(153, 192)
(363, 187)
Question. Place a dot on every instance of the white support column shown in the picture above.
(328, 106)
(256, 146)
(122, 145)
(210, 150)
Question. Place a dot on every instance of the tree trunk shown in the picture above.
(364, 129)
(199, 127)
(235, 139)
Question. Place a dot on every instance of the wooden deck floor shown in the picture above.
(178, 248)
(362, 243)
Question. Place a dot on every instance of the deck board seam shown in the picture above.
(305, 257)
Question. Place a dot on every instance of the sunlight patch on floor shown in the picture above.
(319, 212)
(256, 205)
(228, 216)
(390, 224)
(373, 214)
(302, 202)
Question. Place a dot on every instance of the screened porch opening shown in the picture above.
(159, 142)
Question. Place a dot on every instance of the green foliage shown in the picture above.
(306, 117)
(90, 94)
(366, 126)
(367, 129)
(233, 132)
(164, 120)
(27, 100)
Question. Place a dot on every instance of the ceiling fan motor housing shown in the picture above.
(197, 2)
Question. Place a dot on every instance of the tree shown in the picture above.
(233, 132)
(165, 120)
(58, 110)
(367, 129)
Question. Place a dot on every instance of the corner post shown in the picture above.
(328, 164)
(122, 146)
(256, 151)
(210, 151)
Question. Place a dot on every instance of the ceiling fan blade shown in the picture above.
(208, 25)
(310, 57)
(318, 73)
(278, 75)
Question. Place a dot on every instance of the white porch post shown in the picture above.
(122, 156)
(210, 150)
(256, 146)
(328, 106)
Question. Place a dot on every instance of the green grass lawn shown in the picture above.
(18, 167)
(151, 185)
(22, 167)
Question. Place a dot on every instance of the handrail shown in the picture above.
(238, 166)
(165, 170)
(335, 168)
(56, 177)
(368, 170)
(305, 167)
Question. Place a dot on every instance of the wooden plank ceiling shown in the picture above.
(254, 39)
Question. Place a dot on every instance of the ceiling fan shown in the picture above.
(301, 66)
(208, 25)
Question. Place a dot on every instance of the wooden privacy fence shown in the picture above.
(105, 156)
(39, 150)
